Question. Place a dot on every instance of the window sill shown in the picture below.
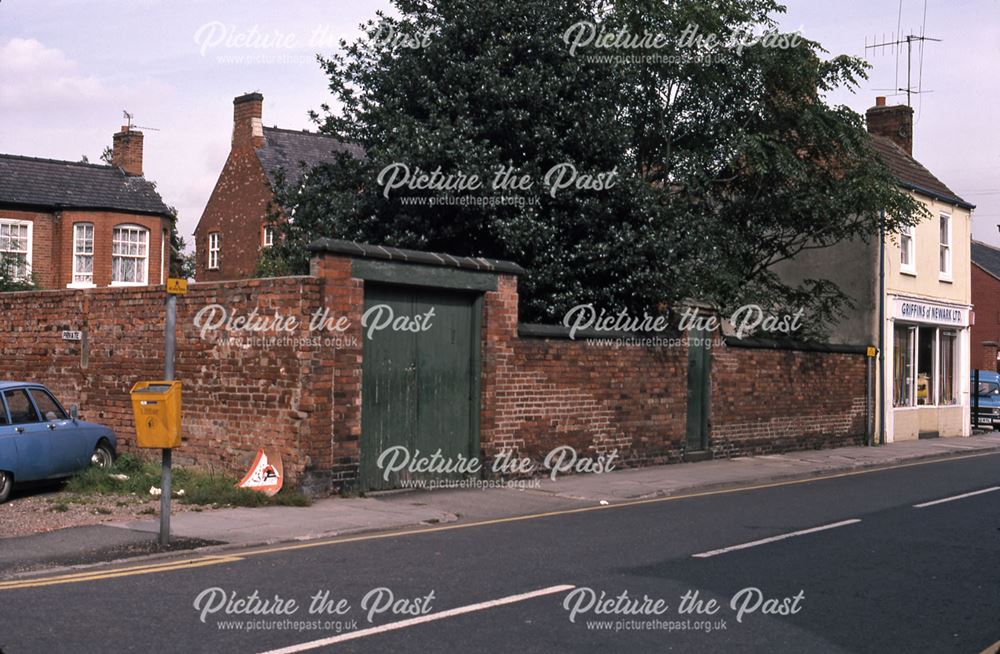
(117, 284)
(925, 407)
(81, 285)
(912, 272)
(947, 279)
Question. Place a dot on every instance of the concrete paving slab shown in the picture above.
(326, 517)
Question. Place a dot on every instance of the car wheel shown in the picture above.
(6, 483)
(102, 457)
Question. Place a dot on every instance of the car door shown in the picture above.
(69, 446)
(8, 450)
(31, 436)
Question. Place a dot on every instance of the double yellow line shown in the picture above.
(203, 561)
(119, 572)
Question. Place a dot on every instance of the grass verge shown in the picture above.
(199, 487)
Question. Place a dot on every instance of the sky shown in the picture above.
(68, 68)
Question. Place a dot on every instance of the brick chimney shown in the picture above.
(894, 123)
(248, 130)
(126, 151)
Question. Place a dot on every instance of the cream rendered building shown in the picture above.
(927, 298)
(927, 318)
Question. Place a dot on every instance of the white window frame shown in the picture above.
(945, 248)
(31, 241)
(910, 232)
(164, 263)
(268, 236)
(144, 256)
(214, 240)
(74, 283)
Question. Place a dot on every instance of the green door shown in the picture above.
(698, 391)
(420, 388)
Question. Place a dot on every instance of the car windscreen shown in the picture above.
(989, 388)
(21, 408)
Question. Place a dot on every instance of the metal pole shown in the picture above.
(881, 329)
(169, 345)
(869, 391)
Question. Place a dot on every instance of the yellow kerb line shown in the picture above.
(118, 572)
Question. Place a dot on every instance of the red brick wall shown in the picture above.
(304, 397)
(986, 304)
(543, 392)
(236, 210)
(52, 243)
(540, 393)
(236, 397)
(343, 295)
(766, 401)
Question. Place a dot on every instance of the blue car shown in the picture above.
(39, 440)
(989, 399)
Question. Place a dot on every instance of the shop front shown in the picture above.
(928, 368)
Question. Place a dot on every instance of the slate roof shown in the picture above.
(911, 174)
(50, 183)
(295, 152)
(986, 257)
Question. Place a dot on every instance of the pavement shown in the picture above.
(394, 510)
(898, 559)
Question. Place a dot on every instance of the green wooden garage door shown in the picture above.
(420, 389)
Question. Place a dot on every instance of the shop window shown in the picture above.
(926, 344)
(946, 367)
(925, 363)
(902, 366)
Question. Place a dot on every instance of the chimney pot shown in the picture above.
(126, 151)
(248, 130)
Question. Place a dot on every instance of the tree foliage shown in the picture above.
(727, 159)
(13, 275)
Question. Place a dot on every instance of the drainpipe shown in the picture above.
(881, 328)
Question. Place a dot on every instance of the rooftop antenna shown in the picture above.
(897, 41)
(128, 119)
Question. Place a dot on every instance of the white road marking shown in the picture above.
(956, 497)
(763, 541)
(431, 617)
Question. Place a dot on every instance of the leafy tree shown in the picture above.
(723, 166)
(12, 276)
(181, 265)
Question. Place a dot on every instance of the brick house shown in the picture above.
(81, 225)
(986, 300)
(233, 229)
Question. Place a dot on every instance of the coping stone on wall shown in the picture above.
(804, 346)
(366, 251)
